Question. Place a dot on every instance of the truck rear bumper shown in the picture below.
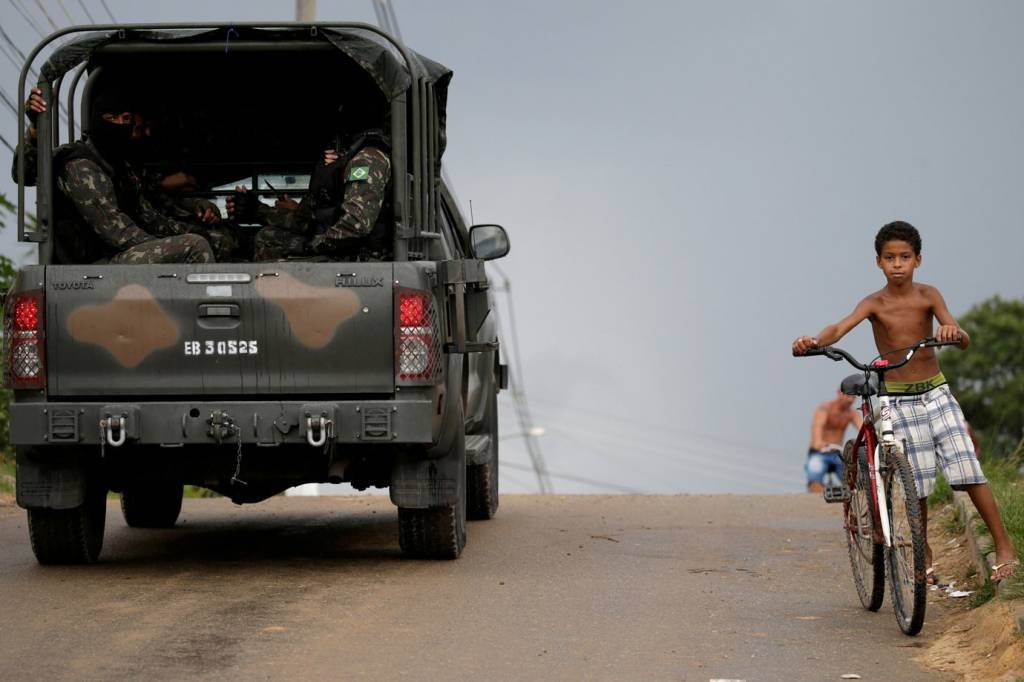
(260, 423)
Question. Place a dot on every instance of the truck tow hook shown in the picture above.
(111, 425)
(318, 432)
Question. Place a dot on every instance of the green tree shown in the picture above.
(988, 379)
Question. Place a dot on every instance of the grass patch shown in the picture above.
(1008, 487)
(982, 594)
(199, 491)
(6, 473)
(955, 525)
(942, 494)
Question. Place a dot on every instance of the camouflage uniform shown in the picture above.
(175, 209)
(93, 194)
(287, 232)
(183, 209)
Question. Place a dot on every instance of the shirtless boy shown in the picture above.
(925, 412)
(827, 430)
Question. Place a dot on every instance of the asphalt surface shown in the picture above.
(616, 588)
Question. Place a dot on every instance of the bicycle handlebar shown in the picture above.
(837, 354)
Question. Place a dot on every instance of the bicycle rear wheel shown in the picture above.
(866, 556)
(906, 556)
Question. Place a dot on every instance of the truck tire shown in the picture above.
(482, 479)
(70, 536)
(438, 532)
(151, 505)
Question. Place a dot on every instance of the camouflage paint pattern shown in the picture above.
(314, 313)
(130, 327)
(286, 231)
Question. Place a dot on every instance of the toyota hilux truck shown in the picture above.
(247, 378)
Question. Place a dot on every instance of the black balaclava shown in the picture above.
(114, 141)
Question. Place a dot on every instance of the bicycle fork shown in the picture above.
(887, 439)
(882, 505)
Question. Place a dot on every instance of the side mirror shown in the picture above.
(488, 242)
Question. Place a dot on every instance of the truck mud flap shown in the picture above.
(421, 479)
(418, 483)
(51, 478)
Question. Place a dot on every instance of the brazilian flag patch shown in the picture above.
(358, 173)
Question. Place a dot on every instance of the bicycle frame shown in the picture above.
(876, 432)
(868, 436)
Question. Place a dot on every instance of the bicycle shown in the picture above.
(881, 512)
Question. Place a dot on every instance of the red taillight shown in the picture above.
(417, 347)
(24, 342)
(26, 314)
(412, 309)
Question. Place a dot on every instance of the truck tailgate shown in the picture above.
(220, 329)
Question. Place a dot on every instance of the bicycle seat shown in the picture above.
(857, 385)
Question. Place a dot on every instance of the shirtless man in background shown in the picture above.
(828, 429)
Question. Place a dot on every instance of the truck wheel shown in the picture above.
(70, 536)
(151, 505)
(482, 479)
(438, 532)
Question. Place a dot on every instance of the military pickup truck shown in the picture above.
(247, 378)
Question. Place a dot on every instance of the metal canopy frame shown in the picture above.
(413, 170)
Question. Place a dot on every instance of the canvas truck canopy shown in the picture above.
(234, 98)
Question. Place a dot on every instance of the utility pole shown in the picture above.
(305, 11)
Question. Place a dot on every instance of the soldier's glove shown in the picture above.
(246, 207)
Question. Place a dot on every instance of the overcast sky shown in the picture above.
(690, 185)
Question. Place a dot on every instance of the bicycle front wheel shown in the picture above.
(866, 556)
(906, 556)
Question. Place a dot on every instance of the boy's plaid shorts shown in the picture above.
(933, 426)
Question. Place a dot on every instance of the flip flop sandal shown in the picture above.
(1012, 565)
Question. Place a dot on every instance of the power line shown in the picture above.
(519, 391)
(86, 10)
(46, 14)
(516, 480)
(7, 144)
(8, 101)
(71, 19)
(25, 15)
(637, 436)
(386, 18)
(579, 479)
(689, 463)
(13, 45)
(13, 60)
(662, 427)
(109, 13)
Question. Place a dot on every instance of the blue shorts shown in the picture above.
(818, 463)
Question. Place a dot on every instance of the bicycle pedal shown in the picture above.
(837, 494)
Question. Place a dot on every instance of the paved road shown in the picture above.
(675, 588)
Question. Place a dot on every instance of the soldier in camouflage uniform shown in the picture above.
(94, 184)
(344, 216)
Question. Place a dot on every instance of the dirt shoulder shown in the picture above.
(979, 642)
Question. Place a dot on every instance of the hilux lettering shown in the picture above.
(359, 282)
